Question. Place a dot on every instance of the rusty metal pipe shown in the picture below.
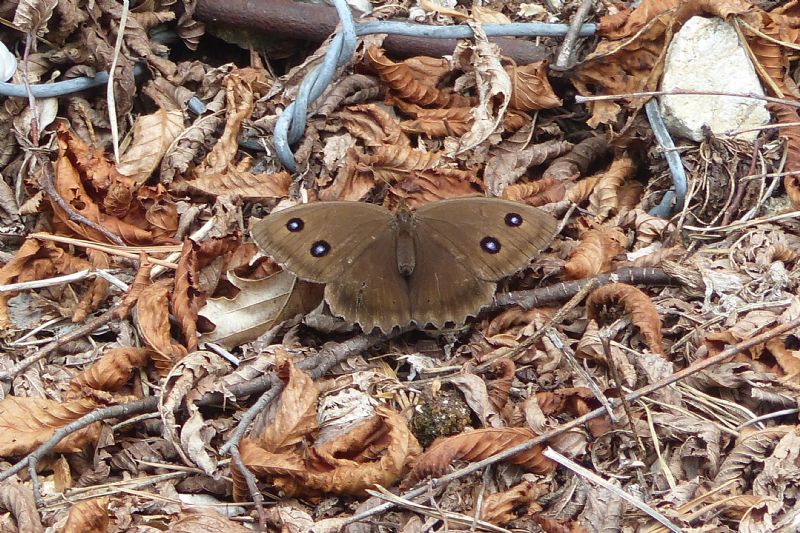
(315, 23)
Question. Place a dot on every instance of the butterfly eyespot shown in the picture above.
(513, 219)
(295, 224)
(320, 249)
(490, 245)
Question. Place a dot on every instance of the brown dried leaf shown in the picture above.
(577, 162)
(475, 446)
(141, 281)
(580, 191)
(506, 166)
(487, 15)
(388, 163)
(259, 305)
(373, 125)
(35, 260)
(406, 85)
(750, 449)
(768, 49)
(531, 88)
(285, 423)
(243, 184)
(636, 304)
(436, 123)
(111, 372)
(152, 321)
(97, 290)
(536, 193)
(26, 423)
(494, 92)
(192, 520)
(603, 201)
(593, 255)
(502, 507)
(33, 15)
(426, 186)
(18, 500)
(88, 515)
(152, 136)
(240, 100)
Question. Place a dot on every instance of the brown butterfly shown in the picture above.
(382, 269)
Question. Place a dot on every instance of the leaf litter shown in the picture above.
(190, 384)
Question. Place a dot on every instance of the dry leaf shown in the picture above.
(152, 135)
(26, 423)
(594, 253)
(531, 88)
(88, 516)
(636, 304)
(260, 305)
(475, 446)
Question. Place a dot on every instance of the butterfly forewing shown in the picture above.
(493, 238)
(322, 242)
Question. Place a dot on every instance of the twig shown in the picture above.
(605, 340)
(561, 291)
(60, 280)
(116, 411)
(564, 60)
(252, 486)
(594, 478)
(131, 252)
(587, 287)
(49, 185)
(590, 383)
(644, 391)
(41, 353)
(742, 186)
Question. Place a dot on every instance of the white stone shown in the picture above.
(705, 55)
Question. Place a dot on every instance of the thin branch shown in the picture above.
(49, 186)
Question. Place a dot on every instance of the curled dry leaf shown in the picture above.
(285, 423)
(152, 321)
(750, 449)
(362, 459)
(426, 186)
(88, 515)
(26, 423)
(604, 201)
(17, 499)
(141, 281)
(593, 255)
(502, 507)
(476, 446)
(35, 260)
(111, 372)
(577, 162)
(536, 193)
(259, 305)
(636, 304)
(97, 289)
(494, 92)
(152, 136)
(389, 163)
(766, 46)
(531, 88)
(208, 520)
(244, 184)
(374, 125)
(591, 346)
(785, 114)
(436, 123)
(499, 386)
(508, 163)
(406, 85)
(33, 15)
(240, 100)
